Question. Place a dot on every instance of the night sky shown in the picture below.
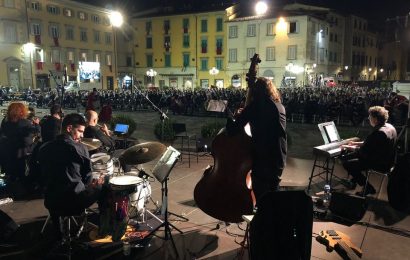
(376, 10)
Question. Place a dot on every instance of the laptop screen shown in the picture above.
(121, 128)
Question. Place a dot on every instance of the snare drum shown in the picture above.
(102, 162)
(125, 182)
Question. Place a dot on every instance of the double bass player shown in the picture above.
(267, 119)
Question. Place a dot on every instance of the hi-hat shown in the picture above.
(142, 153)
(91, 144)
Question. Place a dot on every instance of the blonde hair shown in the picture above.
(16, 111)
(380, 113)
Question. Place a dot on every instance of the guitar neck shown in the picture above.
(346, 249)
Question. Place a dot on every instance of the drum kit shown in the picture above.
(129, 192)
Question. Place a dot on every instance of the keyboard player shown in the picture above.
(376, 152)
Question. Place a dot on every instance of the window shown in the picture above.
(10, 32)
(270, 29)
(82, 16)
(35, 6)
(185, 40)
(68, 12)
(185, 58)
(148, 27)
(70, 56)
(312, 52)
(108, 37)
(219, 62)
(204, 64)
(335, 39)
(251, 31)
(83, 35)
(9, 3)
(293, 27)
(83, 55)
(233, 31)
(69, 33)
(249, 53)
(128, 61)
(95, 19)
(167, 26)
(167, 42)
(270, 53)
(148, 42)
(97, 57)
(233, 53)
(108, 59)
(150, 60)
(54, 31)
(322, 54)
(219, 24)
(335, 56)
(167, 59)
(204, 25)
(313, 31)
(331, 37)
(185, 25)
(292, 52)
(219, 43)
(96, 36)
(35, 29)
(53, 9)
(55, 56)
(204, 45)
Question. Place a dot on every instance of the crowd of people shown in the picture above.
(349, 103)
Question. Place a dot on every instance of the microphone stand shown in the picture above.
(162, 116)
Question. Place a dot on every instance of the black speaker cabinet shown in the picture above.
(7, 226)
(348, 206)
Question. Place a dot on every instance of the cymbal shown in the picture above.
(91, 144)
(142, 153)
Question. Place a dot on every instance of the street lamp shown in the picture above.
(214, 71)
(116, 20)
(261, 8)
(151, 73)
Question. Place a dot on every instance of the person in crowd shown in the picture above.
(17, 140)
(105, 115)
(398, 107)
(102, 133)
(376, 152)
(267, 118)
(51, 124)
(66, 166)
(93, 100)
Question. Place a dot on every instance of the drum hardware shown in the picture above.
(142, 153)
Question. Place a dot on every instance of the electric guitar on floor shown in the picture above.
(334, 239)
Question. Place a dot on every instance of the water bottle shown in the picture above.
(327, 195)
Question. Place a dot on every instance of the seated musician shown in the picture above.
(51, 124)
(376, 152)
(98, 132)
(267, 118)
(66, 165)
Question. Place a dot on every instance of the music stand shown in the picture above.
(161, 172)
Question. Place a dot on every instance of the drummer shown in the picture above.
(93, 130)
(66, 165)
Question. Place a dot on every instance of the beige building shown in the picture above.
(43, 38)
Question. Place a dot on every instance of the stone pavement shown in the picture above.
(381, 233)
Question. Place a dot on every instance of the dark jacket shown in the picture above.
(378, 149)
(66, 167)
(267, 120)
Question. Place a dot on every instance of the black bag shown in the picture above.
(398, 187)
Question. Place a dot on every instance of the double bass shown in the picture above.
(224, 191)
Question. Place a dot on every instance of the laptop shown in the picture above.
(329, 132)
(121, 129)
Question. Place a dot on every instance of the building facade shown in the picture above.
(46, 38)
